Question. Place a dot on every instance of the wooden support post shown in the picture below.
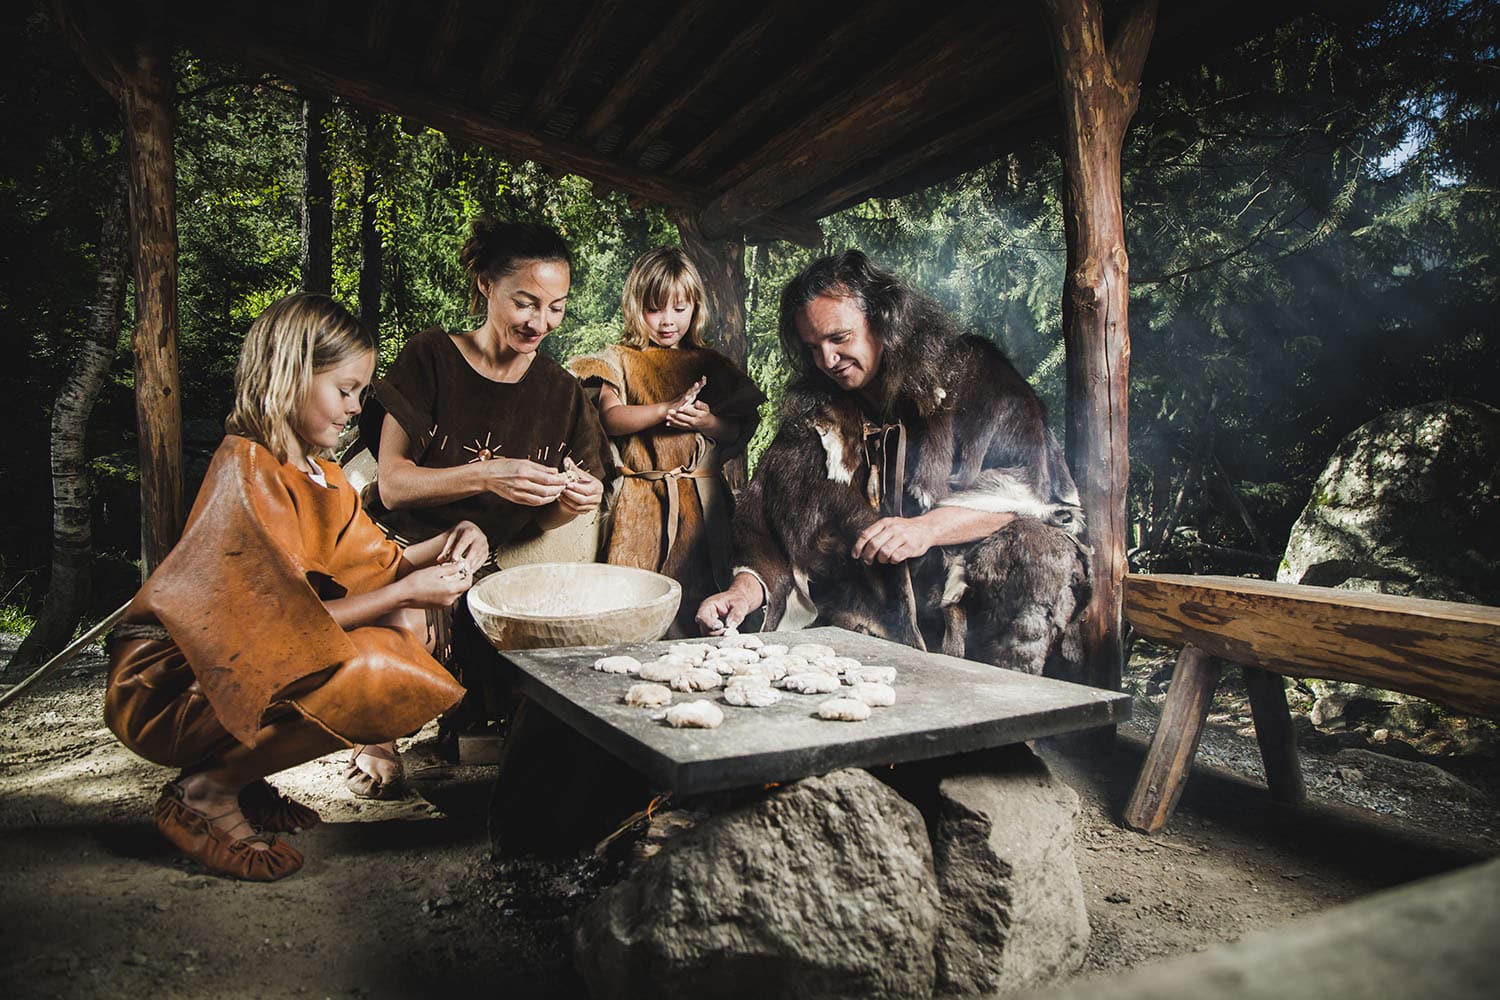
(1274, 733)
(1170, 760)
(722, 265)
(1099, 84)
(130, 58)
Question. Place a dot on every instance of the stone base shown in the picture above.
(837, 886)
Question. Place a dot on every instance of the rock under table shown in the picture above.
(944, 706)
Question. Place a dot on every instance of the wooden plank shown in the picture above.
(1274, 733)
(715, 70)
(451, 21)
(1178, 732)
(507, 39)
(1445, 652)
(665, 47)
(581, 50)
(926, 77)
(855, 185)
(811, 65)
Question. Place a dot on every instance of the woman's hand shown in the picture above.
(436, 586)
(582, 492)
(522, 481)
(465, 544)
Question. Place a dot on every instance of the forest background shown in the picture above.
(1312, 230)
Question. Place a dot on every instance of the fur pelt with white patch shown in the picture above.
(977, 440)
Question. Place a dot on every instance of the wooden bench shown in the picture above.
(1444, 652)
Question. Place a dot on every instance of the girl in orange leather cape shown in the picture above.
(284, 624)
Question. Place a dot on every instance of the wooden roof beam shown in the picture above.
(713, 72)
(925, 77)
(859, 184)
(451, 21)
(687, 22)
(378, 30)
(517, 16)
(809, 67)
(581, 50)
(313, 69)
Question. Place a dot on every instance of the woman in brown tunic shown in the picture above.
(479, 425)
(284, 624)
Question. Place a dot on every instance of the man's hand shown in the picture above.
(892, 540)
(725, 610)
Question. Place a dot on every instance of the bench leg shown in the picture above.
(1274, 733)
(1170, 759)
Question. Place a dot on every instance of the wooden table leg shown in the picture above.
(1274, 732)
(1170, 759)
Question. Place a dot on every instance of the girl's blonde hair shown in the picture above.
(294, 339)
(654, 278)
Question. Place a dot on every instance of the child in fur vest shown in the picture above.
(675, 410)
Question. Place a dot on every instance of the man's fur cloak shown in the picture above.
(975, 437)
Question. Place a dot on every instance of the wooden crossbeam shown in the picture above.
(378, 30)
(507, 40)
(855, 185)
(723, 63)
(446, 34)
(687, 22)
(936, 70)
(1445, 652)
(581, 50)
(809, 66)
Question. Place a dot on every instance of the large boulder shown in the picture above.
(1013, 907)
(823, 888)
(1407, 505)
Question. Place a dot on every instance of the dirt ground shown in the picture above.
(402, 900)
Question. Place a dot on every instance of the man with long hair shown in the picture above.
(913, 490)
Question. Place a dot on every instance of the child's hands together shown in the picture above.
(437, 586)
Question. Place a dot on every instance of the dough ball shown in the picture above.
(871, 675)
(844, 710)
(772, 649)
(873, 694)
(696, 679)
(696, 715)
(845, 664)
(812, 682)
(737, 641)
(812, 650)
(751, 692)
(696, 651)
(664, 670)
(824, 665)
(618, 665)
(733, 656)
(647, 696)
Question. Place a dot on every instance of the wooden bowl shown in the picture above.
(573, 604)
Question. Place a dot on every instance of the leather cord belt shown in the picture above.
(879, 488)
(674, 504)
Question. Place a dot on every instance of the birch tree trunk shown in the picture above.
(71, 582)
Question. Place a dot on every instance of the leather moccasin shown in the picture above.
(194, 834)
(364, 784)
(272, 812)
